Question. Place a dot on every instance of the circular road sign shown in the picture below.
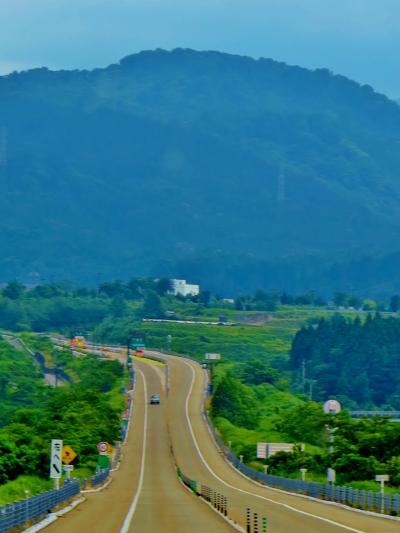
(104, 447)
(332, 407)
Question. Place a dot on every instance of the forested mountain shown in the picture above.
(233, 172)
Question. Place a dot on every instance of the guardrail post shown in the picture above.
(396, 503)
(255, 521)
(248, 521)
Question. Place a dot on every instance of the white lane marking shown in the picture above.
(286, 506)
(128, 519)
(160, 374)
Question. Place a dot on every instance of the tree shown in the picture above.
(340, 299)
(163, 286)
(204, 298)
(152, 306)
(395, 303)
(118, 307)
(235, 402)
(265, 301)
(257, 372)
(14, 290)
(369, 305)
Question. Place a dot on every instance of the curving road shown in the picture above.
(145, 495)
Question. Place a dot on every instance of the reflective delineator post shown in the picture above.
(248, 521)
(264, 524)
(255, 520)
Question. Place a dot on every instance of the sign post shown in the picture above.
(169, 343)
(331, 407)
(331, 476)
(212, 358)
(68, 469)
(382, 478)
(56, 461)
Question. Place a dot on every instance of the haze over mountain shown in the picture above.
(229, 171)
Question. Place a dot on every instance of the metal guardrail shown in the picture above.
(32, 509)
(360, 499)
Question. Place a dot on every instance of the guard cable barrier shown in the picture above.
(31, 510)
(360, 499)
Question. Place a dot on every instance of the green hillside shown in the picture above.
(234, 172)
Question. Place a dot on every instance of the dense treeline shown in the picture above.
(63, 307)
(82, 414)
(357, 362)
(59, 307)
(362, 448)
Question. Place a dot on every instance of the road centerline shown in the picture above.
(128, 519)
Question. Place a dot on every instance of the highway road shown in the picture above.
(146, 496)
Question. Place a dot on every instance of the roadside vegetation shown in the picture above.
(82, 414)
(279, 352)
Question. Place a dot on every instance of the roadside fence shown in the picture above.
(359, 499)
(26, 512)
(33, 509)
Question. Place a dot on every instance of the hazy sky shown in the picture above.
(357, 38)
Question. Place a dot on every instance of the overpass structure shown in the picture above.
(393, 416)
(146, 496)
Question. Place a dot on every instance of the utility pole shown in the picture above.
(312, 381)
(303, 375)
(55, 367)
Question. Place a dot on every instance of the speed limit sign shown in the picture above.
(104, 447)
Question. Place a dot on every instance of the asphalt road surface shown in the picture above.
(146, 496)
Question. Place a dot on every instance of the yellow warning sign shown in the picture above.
(68, 455)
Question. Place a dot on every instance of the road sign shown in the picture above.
(382, 477)
(103, 461)
(331, 475)
(332, 407)
(137, 340)
(213, 356)
(261, 450)
(104, 447)
(55, 459)
(68, 455)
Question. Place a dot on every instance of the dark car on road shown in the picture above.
(155, 399)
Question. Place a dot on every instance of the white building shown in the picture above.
(179, 286)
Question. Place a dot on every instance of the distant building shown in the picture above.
(179, 286)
